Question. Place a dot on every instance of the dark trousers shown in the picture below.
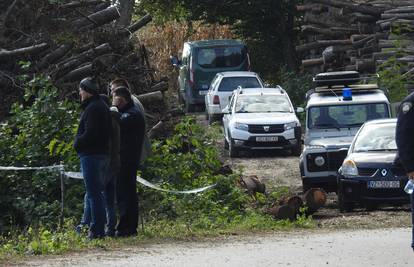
(127, 199)
(412, 219)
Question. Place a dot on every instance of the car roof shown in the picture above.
(382, 121)
(238, 74)
(373, 96)
(217, 42)
(265, 91)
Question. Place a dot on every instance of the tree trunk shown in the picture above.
(364, 9)
(30, 50)
(320, 44)
(55, 55)
(126, 8)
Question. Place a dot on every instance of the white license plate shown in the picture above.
(383, 184)
(202, 92)
(267, 139)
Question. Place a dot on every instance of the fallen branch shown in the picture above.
(23, 51)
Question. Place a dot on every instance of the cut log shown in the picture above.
(357, 37)
(78, 74)
(137, 25)
(76, 61)
(156, 129)
(383, 55)
(321, 44)
(314, 199)
(77, 4)
(284, 212)
(367, 50)
(30, 50)
(55, 55)
(150, 98)
(312, 62)
(328, 55)
(161, 86)
(350, 67)
(365, 65)
(252, 184)
(97, 19)
(358, 17)
(330, 32)
(364, 9)
(406, 9)
(398, 16)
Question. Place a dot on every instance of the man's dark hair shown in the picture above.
(123, 92)
(121, 82)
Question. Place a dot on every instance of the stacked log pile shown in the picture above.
(356, 35)
(69, 40)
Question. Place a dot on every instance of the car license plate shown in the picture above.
(383, 184)
(267, 139)
(202, 92)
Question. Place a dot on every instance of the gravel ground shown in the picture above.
(348, 248)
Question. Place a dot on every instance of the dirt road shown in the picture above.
(349, 248)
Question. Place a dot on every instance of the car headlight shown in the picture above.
(242, 126)
(291, 125)
(319, 161)
(349, 168)
(310, 147)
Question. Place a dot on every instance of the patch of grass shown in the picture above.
(42, 241)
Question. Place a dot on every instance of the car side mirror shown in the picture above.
(175, 61)
(226, 110)
(300, 110)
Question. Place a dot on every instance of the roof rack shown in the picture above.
(331, 80)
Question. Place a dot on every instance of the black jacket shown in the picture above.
(132, 126)
(405, 133)
(94, 128)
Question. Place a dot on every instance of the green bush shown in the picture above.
(39, 132)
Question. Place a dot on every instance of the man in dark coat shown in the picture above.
(92, 145)
(405, 143)
(132, 126)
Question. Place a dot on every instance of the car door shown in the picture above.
(227, 116)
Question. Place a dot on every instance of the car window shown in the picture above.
(353, 115)
(186, 54)
(231, 83)
(376, 137)
(262, 104)
(219, 57)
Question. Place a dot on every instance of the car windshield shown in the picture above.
(345, 115)
(376, 137)
(221, 57)
(262, 104)
(231, 83)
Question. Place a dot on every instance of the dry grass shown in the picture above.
(166, 40)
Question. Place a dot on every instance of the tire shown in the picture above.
(306, 186)
(233, 152)
(189, 107)
(210, 119)
(343, 206)
(297, 150)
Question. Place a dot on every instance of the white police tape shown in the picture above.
(78, 175)
(3, 168)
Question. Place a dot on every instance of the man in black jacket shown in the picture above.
(132, 126)
(92, 145)
(405, 144)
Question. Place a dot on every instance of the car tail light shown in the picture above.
(191, 81)
(216, 100)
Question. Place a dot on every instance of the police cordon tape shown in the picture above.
(78, 175)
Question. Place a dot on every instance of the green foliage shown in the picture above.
(38, 133)
(187, 160)
(392, 70)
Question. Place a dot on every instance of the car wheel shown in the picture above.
(342, 204)
(189, 107)
(233, 152)
(305, 186)
(210, 119)
(297, 150)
